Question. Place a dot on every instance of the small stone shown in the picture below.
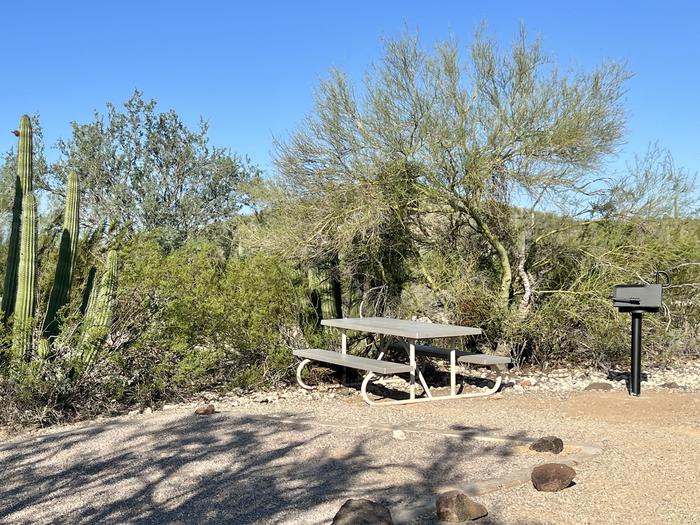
(552, 477)
(599, 386)
(671, 384)
(548, 444)
(454, 506)
(134, 412)
(148, 410)
(205, 410)
(399, 434)
(526, 383)
(362, 512)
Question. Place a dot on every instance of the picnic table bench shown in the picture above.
(397, 334)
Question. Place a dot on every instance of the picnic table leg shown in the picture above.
(299, 369)
(412, 362)
(453, 367)
(344, 351)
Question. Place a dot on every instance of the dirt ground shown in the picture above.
(296, 461)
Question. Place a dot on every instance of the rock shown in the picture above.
(671, 384)
(548, 444)
(399, 434)
(362, 512)
(134, 412)
(148, 410)
(552, 477)
(599, 386)
(454, 506)
(205, 410)
(169, 407)
(527, 382)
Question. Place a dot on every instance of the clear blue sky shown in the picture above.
(250, 68)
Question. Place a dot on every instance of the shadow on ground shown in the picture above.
(225, 468)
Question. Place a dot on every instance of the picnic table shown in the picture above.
(399, 334)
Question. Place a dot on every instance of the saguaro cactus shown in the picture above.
(98, 318)
(65, 265)
(26, 281)
(23, 185)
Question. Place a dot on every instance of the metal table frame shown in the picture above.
(408, 333)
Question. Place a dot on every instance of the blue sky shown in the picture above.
(250, 68)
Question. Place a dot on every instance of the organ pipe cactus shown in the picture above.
(23, 185)
(65, 265)
(26, 281)
(20, 292)
(325, 293)
(98, 318)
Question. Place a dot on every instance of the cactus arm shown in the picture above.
(26, 282)
(67, 255)
(98, 318)
(23, 185)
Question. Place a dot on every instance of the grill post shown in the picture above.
(636, 360)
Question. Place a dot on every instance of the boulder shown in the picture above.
(548, 444)
(362, 512)
(455, 506)
(599, 386)
(552, 477)
(205, 410)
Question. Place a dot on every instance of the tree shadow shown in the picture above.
(225, 468)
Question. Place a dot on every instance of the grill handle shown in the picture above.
(631, 300)
(666, 276)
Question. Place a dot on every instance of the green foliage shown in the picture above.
(147, 171)
(191, 319)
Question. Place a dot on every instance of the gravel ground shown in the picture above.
(293, 457)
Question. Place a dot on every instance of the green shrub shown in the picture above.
(203, 321)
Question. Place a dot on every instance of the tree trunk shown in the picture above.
(503, 258)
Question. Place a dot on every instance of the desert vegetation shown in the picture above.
(456, 184)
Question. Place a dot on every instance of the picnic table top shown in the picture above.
(401, 327)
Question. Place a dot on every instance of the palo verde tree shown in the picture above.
(480, 145)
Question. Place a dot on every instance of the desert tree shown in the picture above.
(446, 147)
(146, 170)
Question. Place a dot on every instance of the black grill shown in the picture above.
(643, 297)
(638, 299)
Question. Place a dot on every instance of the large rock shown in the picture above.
(455, 506)
(548, 444)
(362, 512)
(599, 386)
(205, 410)
(552, 477)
